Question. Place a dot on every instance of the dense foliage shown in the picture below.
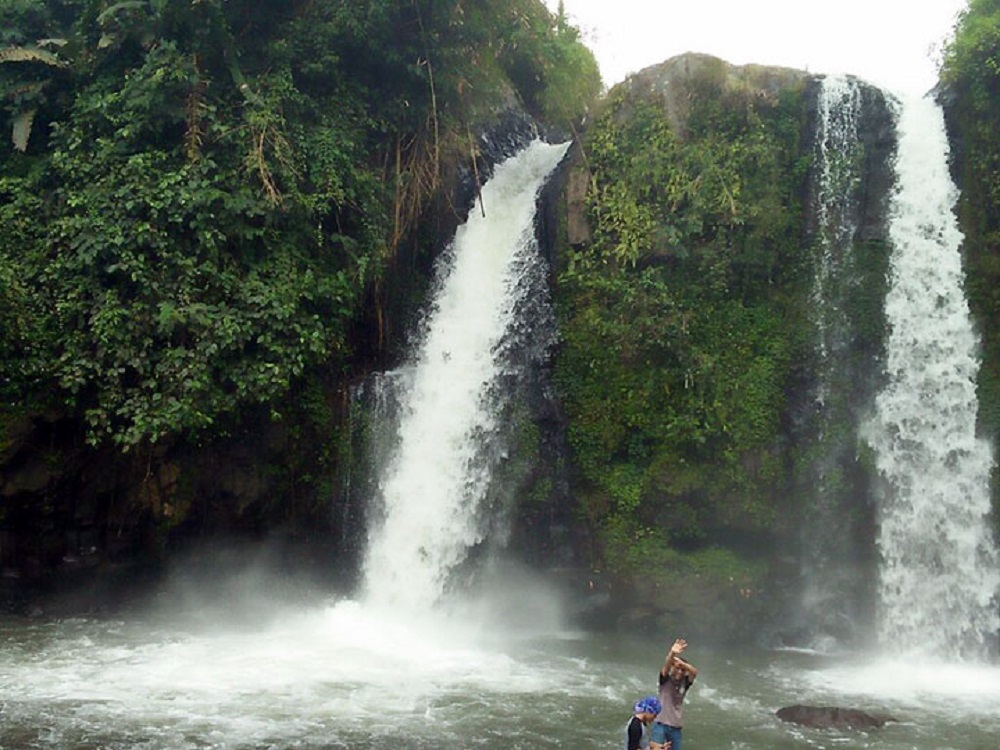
(197, 195)
(971, 71)
(681, 319)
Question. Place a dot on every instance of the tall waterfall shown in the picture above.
(939, 568)
(433, 487)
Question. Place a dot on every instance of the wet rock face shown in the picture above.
(832, 717)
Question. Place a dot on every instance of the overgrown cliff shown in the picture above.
(215, 218)
(970, 92)
(689, 370)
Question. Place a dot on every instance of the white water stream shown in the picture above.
(829, 562)
(434, 485)
(940, 574)
(838, 150)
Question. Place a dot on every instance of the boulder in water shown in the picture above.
(825, 717)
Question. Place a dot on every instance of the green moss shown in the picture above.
(971, 70)
(208, 198)
(681, 318)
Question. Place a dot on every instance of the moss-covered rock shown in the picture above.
(686, 308)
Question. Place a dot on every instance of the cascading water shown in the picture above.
(837, 145)
(434, 484)
(939, 571)
(829, 558)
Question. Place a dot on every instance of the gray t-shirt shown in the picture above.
(672, 694)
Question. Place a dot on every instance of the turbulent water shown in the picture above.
(336, 676)
(940, 573)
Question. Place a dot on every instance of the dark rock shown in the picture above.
(578, 231)
(827, 717)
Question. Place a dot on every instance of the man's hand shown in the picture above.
(672, 655)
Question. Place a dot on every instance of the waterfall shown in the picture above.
(837, 147)
(939, 575)
(830, 563)
(432, 504)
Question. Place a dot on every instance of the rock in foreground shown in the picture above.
(825, 717)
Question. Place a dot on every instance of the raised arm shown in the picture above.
(672, 655)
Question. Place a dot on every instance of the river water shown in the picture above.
(504, 673)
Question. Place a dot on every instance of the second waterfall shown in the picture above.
(939, 569)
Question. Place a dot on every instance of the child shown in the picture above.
(643, 712)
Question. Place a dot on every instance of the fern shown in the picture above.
(113, 10)
(30, 54)
(22, 129)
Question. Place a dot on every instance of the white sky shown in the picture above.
(891, 43)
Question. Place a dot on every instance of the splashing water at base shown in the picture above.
(341, 677)
(334, 675)
(940, 573)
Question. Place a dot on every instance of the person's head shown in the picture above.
(647, 708)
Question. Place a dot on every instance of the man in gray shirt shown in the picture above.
(676, 676)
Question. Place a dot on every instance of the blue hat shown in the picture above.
(648, 705)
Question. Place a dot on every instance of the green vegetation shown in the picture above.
(198, 198)
(213, 210)
(971, 70)
(681, 320)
